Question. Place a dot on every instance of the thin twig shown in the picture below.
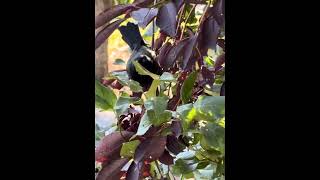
(171, 173)
(180, 17)
(157, 164)
(169, 89)
(204, 13)
(185, 24)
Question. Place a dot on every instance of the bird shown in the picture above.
(141, 53)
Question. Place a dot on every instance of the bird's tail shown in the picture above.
(131, 35)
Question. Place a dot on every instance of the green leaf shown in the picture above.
(186, 155)
(156, 110)
(144, 125)
(208, 61)
(167, 77)
(152, 92)
(123, 103)
(124, 80)
(143, 71)
(213, 137)
(121, 76)
(210, 107)
(134, 86)
(192, 17)
(186, 89)
(119, 62)
(186, 113)
(104, 97)
(159, 104)
(129, 148)
(203, 164)
(206, 173)
(184, 166)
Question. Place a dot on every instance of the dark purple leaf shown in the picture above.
(174, 145)
(112, 170)
(222, 90)
(166, 158)
(144, 16)
(110, 146)
(116, 85)
(110, 13)
(178, 3)
(176, 128)
(173, 102)
(151, 131)
(106, 32)
(174, 53)
(219, 61)
(209, 35)
(220, 42)
(143, 3)
(196, 1)
(166, 19)
(150, 149)
(161, 58)
(159, 42)
(208, 76)
(217, 11)
(134, 171)
(188, 50)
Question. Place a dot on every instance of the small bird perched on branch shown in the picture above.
(140, 53)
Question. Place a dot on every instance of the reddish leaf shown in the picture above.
(176, 128)
(219, 61)
(116, 85)
(174, 53)
(166, 19)
(107, 82)
(161, 58)
(144, 16)
(106, 32)
(151, 131)
(110, 145)
(188, 50)
(111, 13)
(166, 158)
(174, 145)
(134, 171)
(112, 170)
(150, 149)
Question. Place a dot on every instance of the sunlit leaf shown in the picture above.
(187, 87)
(129, 148)
(105, 97)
